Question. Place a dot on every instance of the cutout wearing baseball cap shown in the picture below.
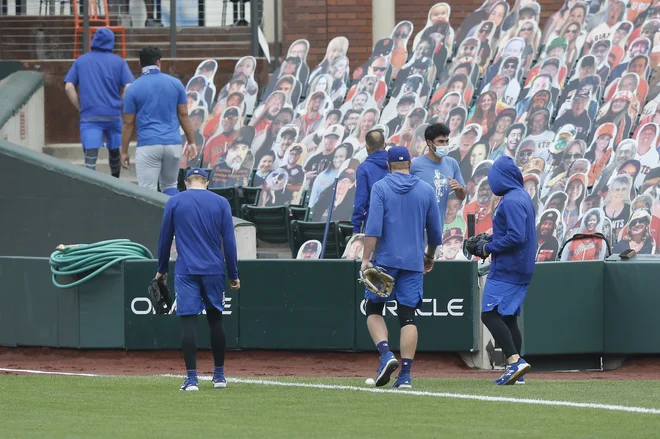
(398, 154)
(453, 233)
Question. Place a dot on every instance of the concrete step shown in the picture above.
(267, 250)
(73, 151)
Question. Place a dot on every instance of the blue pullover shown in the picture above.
(372, 170)
(100, 76)
(202, 223)
(402, 207)
(513, 245)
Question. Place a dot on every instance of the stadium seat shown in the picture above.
(304, 231)
(271, 222)
(231, 194)
(250, 195)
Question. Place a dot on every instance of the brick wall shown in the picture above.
(319, 21)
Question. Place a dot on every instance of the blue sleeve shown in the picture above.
(166, 237)
(126, 75)
(433, 230)
(361, 198)
(72, 74)
(130, 106)
(181, 97)
(229, 240)
(376, 212)
(515, 217)
(457, 174)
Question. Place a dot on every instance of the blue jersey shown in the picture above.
(203, 225)
(437, 175)
(154, 98)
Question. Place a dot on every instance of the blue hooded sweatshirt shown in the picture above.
(100, 76)
(513, 244)
(402, 207)
(372, 170)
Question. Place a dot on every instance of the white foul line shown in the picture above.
(586, 405)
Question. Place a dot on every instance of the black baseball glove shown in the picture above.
(160, 297)
(475, 245)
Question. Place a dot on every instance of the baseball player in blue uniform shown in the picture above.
(203, 225)
(512, 248)
(401, 208)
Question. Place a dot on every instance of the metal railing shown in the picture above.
(199, 25)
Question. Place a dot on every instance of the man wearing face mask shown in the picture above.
(437, 169)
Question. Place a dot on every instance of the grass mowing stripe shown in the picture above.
(619, 408)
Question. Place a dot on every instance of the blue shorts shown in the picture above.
(506, 296)
(195, 292)
(408, 288)
(94, 135)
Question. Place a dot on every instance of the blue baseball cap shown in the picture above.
(398, 154)
(197, 171)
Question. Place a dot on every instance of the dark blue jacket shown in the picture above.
(513, 245)
(373, 169)
(402, 208)
(203, 225)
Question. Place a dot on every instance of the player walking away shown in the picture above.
(402, 208)
(102, 78)
(155, 105)
(437, 169)
(372, 170)
(513, 249)
(202, 223)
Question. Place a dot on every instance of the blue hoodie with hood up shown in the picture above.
(513, 244)
(100, 75)
(372, 170)
(403, 206)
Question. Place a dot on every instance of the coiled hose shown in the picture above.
(93, 259)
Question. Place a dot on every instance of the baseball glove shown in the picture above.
(377, 281)
(160, 297)
(475, 244)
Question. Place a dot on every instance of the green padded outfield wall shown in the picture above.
(146, 330)
(295, 304)
(448, 318)
(563, 311)
(632, 301)
(61, 203)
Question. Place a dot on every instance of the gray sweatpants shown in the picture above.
(156, 164)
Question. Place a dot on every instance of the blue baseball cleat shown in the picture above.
(219, 381)
(388, 364)
(521, 380)
(515, 371)
(190, 385)
(403, 382)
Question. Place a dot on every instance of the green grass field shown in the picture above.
(85, 407)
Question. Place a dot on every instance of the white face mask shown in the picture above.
(440, 152)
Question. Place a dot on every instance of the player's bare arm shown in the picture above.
(190, 151)
(72, 94)
(128, 129)
(369, 246)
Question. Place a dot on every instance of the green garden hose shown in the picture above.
(93, 259)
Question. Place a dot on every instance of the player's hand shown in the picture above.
(125, 160)
(428, 264)
(366, 264)
(190, 151)
(454, 184)
(234, 284)
(310, 175)
(162, 277)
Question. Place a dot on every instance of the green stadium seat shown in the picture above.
(231, 194)
(271, 222)
(304, 231)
